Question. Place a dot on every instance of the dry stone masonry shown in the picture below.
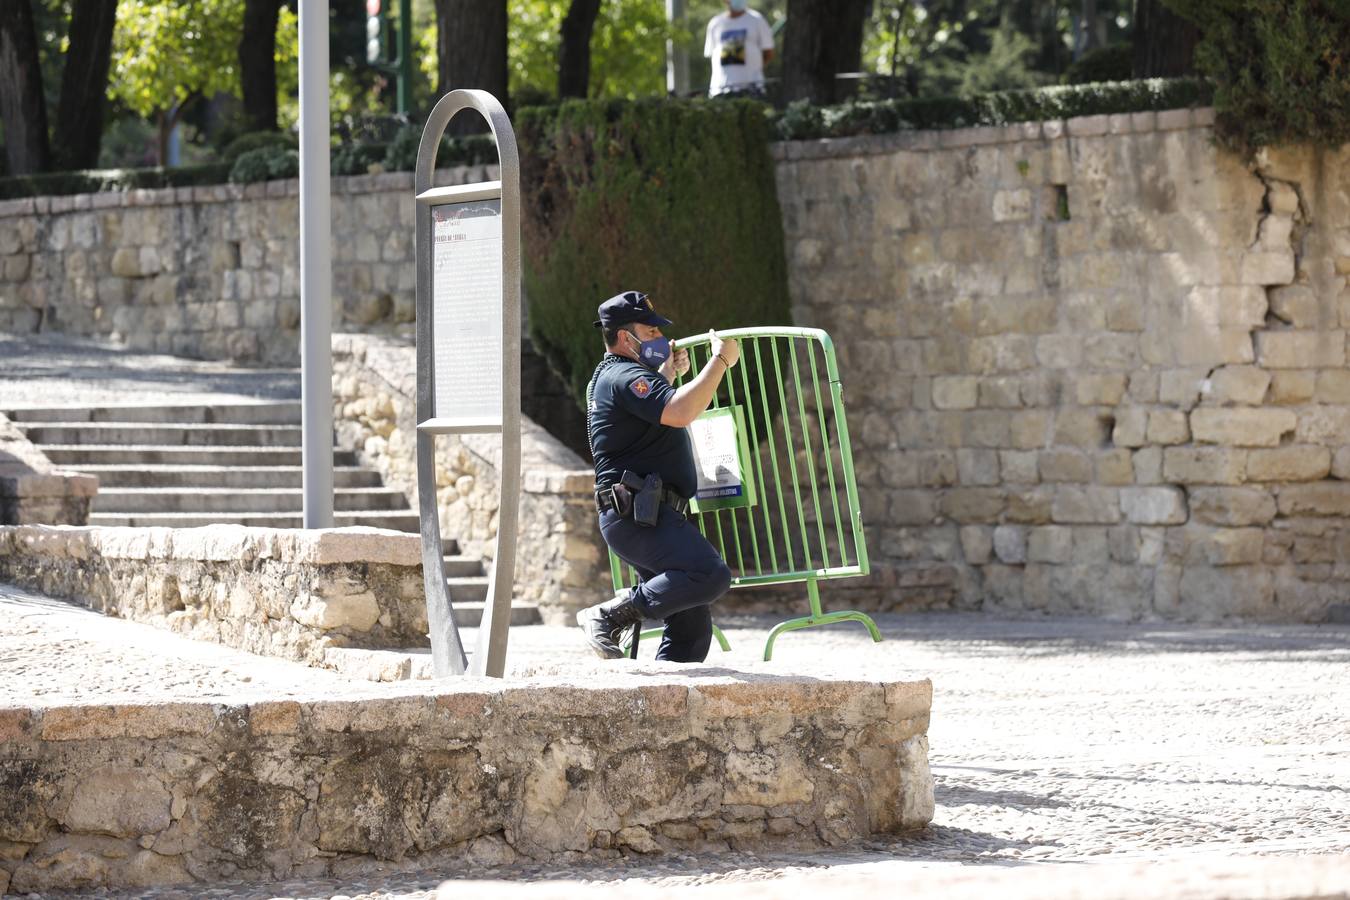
(1096, 365)
(33, 490)
(207, 272)
(648, 762)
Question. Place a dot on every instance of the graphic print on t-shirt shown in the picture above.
(733, 47)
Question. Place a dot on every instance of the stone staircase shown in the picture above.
(186, 466)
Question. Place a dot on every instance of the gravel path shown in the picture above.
(1052, 741)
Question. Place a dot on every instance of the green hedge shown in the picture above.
(93, 181)
(801, 121)
(1281, 69)
(675, 198)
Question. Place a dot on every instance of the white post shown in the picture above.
(316, 310)
(677, 54)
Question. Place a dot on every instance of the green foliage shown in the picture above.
(801, 122)
(1104, 64)
(1281, 69)
(97, 180)
(357, 159)
(255, 140)
(673, 198)
(470, 150)
(265, 164)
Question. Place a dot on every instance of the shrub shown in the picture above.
(471, 150)
(91, 181)
(999, 108)
(264, 164)
(356, 159)
(674, 198)
(1103, 64)
(1281, 69)
(255, 140)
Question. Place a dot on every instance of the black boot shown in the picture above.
(604, 623)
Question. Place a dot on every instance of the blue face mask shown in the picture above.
(737, 5)
(654, 352)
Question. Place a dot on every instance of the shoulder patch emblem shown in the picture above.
(641, 388)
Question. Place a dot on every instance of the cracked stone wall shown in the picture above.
(1091, 366)
(551, 769)
(208, 272)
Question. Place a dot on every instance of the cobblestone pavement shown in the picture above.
(1053, 740)
(58, 370)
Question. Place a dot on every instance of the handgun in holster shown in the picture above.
(646, 493)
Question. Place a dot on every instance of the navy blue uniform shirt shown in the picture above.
(626, 430)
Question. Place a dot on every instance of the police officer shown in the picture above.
(636, 422)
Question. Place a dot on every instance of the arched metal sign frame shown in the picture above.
(447, 649)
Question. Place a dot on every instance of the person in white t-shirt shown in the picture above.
(739, 43)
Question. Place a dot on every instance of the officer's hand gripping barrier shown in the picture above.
(805, 525)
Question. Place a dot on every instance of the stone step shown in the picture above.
(154, 475)
(463, 566)
(75, 455)
(284, 413)
(239, 500)
(471, 589)
(395, 521)
(202, 435)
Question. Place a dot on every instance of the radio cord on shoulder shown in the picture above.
(609, 360)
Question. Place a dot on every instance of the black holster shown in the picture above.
(646, 496)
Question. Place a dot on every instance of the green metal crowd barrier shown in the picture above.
(793, 515)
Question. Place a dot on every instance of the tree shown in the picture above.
(574, 52)
(471, 46)
(823, 38)
(1164, 42)
(84, 85)
(258, 63)
(22, 109)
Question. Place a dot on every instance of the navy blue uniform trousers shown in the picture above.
(681, 576)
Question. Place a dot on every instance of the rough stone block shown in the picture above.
(1243, 306)
(1010, 544)
(1267, 267)
(1030, 429)
(1218, 546)
(1290, 387)
(1115, 467)
(1168, 427)
(955, 392)
(1333, 387)
(977, 467)
(977, 544)
(1300, 349)
(1295, 304)
(1147, 465)
(1087, 428)
(1000, 393)
(1059, 351)
(1320, 499)
(1085, 505)
(1232, 506)
(1244, 385)
(1242, 427)
(1327, 425)
(1029, 506)
(1204, 465)
(1012, 206)
(1100, 390)
(1018, 466)
(1050, 544)
(1064, 465)
(1131, 427)
(1294, 463)
(1153, 505)
(1180, 387)
(972, 505)
(1211, 593)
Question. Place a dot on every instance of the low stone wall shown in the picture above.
(207, 272)
(1091, 366)
(561, 562)
(136, 796)
(33, 491)
(283, 592)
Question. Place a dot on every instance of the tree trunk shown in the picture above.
(84, 85)
(823, 38)
(574, 52)
(471, 53)
(258, 63)
(1164, 42)
(22, 109)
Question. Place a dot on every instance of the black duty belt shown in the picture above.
(604, 499)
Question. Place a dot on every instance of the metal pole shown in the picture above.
(316, 310)
(677, 54)
(405, 67)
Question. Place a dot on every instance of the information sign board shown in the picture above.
(467, 309)
(722, 460)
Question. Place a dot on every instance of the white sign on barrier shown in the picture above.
(722, 460)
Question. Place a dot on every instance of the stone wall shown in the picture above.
(561, 563)
(291, 593)
(474, 773)
(1096, 365)
(207, 272)
(32, 490)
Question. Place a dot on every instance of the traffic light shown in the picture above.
(374, 30)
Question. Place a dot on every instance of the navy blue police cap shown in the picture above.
(630, 306)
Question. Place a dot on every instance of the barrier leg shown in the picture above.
(818, 617)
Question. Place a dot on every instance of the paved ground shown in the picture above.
(58, 370)
(1053, 740)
